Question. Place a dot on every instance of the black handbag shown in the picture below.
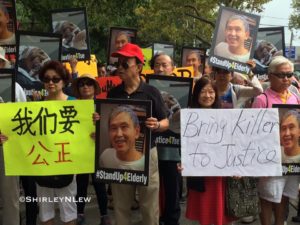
(242, 197)
(54, 181)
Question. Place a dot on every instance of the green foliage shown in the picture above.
(156, 20)
(295, 17)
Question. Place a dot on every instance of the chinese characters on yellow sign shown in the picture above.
(47, 138)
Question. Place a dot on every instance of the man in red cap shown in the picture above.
(130, 64)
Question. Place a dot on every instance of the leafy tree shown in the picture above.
(295, 17)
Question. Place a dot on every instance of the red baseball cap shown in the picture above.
(130, 50)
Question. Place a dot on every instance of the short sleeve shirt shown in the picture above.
(144, 92)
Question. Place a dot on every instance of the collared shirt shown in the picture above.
(261, 101)
(143, 92)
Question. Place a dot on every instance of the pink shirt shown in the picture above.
(273, 98)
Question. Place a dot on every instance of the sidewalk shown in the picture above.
(93, 217)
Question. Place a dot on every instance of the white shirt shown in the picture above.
(222, 49)
(20, 94)
(109, 159)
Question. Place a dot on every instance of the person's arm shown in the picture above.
(73, 64)
(157, 125)
(254, 87)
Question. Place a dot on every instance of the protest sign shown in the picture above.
(120, 160)
(86, 67)
(191, 56)
(48, 138)
(72, 25)
(177, 72)
(289, 138)
(176, 94)
(270, 43)
(118, 37)
(166, 48)
(8, 29)
(106, 84)
(230, 142)
(233, 41)
(7, 85)
(33, 51)
(147, 52)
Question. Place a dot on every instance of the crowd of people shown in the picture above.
(159, 201)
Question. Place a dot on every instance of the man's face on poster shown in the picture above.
(289, 134)
(35, 60)
(236, 34)
(4, 19)
(193, 60)
(123, 133)
(163, 65)
(68, 31)
(120, 41)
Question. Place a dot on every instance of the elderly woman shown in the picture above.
(54, 77)
(273, 191)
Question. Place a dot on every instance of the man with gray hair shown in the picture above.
(273, 190)
(123, 130)
(236, 34)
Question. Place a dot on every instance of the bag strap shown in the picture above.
(266, 99)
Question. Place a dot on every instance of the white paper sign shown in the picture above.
(230, 142)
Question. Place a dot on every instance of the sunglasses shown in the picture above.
(283, 75)
(54, 80)
(124, 64)
(86, 82)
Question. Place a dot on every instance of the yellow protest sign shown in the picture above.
(178, 72)
(83, 67)
(147, 52)
(48, 138)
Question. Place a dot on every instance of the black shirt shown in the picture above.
(143, 92)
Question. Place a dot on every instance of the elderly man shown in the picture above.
(130, 64)
(273, 190)
(193, 59)
(162, 64)
(236, 34)
(123, 154)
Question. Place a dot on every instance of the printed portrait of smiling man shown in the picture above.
(289, 135)
(124, 130)
(236, 34)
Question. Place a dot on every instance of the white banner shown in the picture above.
(230, 142)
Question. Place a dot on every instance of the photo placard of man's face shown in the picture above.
(118, 38)
(234, 37)
(290, 133)
(72, 25)
(34, 50)
(7, 23)
(194, 57)
(122, 139)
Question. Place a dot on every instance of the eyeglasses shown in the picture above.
(283, 75)
(86, 82)
(54, 80)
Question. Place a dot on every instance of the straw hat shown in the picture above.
(84, 76)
